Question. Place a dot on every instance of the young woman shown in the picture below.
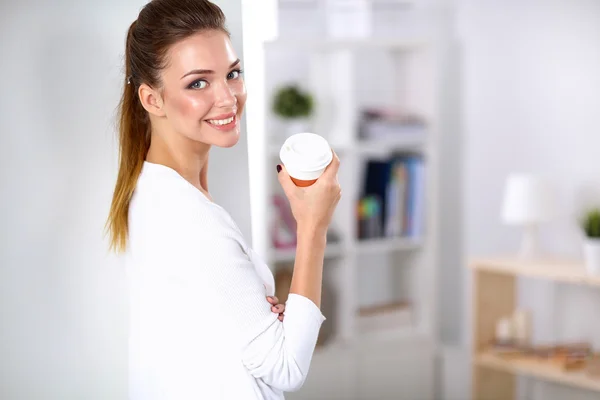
(202, 326)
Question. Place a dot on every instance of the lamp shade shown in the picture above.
(527, 200)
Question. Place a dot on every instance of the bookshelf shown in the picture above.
(368, 278)
(494, 296)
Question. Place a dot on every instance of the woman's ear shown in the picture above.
(151, 100)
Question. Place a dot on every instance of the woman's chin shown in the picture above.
(228, 139)
(220, 138)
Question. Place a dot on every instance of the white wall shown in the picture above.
(231, 165)
(451, 190)
(63, 317)
(532, 94)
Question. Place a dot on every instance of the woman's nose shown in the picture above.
(225, 96)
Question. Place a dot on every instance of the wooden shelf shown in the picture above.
(386, 308)
(552, 269)
(538, 369)
(494, 296)
(379, 245)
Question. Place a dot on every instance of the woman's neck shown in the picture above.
(190, 160)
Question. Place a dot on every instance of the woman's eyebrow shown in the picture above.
(208, 71)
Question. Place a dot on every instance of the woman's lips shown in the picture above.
(222, 124)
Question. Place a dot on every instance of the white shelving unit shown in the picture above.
(328, 45)
(395, 362)
(369, 147)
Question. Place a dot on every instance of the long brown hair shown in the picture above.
(160, 24)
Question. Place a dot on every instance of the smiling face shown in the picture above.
(203, 92)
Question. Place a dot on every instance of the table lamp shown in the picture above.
(527, 203)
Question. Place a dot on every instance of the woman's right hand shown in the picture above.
(313, 206)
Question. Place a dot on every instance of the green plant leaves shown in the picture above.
(291, 102)
(591, 223)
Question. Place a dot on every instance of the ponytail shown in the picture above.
(160, 24)
(134, 142)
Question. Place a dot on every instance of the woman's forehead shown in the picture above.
(210, 50)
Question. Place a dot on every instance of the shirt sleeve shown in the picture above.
(278, 353)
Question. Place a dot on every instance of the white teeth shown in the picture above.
(221, 121)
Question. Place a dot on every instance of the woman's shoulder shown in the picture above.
(162, 199)
(168, 200)
(165, 222)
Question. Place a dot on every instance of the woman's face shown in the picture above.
(203, 91)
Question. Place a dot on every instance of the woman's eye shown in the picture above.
(199, 84)
(234, 74)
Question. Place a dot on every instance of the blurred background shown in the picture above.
(464, 258)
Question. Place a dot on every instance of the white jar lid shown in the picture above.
(306, 152)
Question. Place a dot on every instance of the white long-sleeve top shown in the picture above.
(200, 324)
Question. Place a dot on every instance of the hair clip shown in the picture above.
(129, 79)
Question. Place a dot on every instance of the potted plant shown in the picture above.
(294, 106)
(591, 246)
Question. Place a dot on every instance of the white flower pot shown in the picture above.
(591, 255)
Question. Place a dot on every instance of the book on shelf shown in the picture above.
(393, 198)
(390, 124)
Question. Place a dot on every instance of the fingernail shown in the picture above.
(278, 168)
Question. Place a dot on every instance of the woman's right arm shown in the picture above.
(308, 268)
(313, 209)
(286, 365)
(200, 251)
